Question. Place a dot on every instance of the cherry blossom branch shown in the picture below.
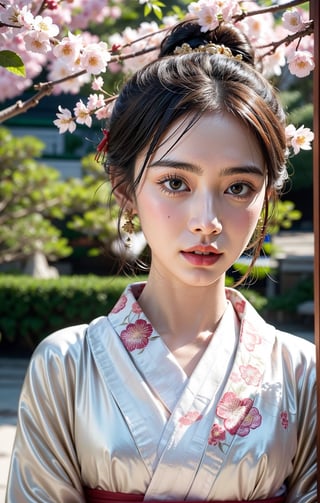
(46, 88)
(308, 30)
(272, 9)
(22, 106)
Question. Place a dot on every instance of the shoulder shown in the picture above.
(67, 346)
(297, 355)
(289, 349)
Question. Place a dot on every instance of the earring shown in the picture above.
(128, 225)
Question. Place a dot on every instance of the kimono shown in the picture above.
(107, 406)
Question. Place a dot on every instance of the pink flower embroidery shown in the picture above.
(250, 337)
(284, 419)
(217, 434)
(250, 374)
(136, 335)
(252, 420)
(189, 418)
(240, 306)
(238, 414)
(136, 308)
(120, 304)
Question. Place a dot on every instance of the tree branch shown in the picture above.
(308, 30)
(46, 88)
(272, 9)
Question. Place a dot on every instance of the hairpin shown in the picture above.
(102, 148)
(210, 48)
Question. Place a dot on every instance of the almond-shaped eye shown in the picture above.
(239, 189)
(173, 184)
(176, 184)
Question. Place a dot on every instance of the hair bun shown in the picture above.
(225, 34)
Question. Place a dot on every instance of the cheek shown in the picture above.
(246, 221)
(155, 212)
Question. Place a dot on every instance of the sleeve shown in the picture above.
(44, 466)
(302, 483)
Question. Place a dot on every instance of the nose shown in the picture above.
(204, 217)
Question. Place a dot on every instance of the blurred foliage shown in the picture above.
(290, 300)
(31, 309)
(33, 199)
(30, 194)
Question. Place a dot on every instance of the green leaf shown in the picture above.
(147, 9)
(12, 62)
(158, 12)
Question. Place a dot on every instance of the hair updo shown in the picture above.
(188, 85)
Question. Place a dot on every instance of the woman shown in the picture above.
(182, 392)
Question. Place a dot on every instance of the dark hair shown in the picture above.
(188, 85)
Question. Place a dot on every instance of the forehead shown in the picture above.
(214, 137)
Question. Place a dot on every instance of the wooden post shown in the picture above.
(315, 15)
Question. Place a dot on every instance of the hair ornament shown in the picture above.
(209, 48)
(102, 148)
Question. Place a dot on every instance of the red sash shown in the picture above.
(98, 496)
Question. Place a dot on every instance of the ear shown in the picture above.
(124, 198)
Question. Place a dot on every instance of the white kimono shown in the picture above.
(106, 405)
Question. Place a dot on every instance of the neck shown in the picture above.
(183, 314)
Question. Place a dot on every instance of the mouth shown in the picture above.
(201, 256)
(201, 253)
(203, 250)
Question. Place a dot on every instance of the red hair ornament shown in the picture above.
(102, 148)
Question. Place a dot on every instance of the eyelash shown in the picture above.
(173, 192)
(250, 189)
(170, 178)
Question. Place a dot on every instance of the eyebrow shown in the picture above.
(170, 163)
(194, 168)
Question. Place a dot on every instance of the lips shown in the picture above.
(201, 255)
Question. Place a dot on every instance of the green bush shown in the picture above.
(30, 308)
(289, 301)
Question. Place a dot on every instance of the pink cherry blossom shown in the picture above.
(136, 335)
(65, 121)
(291, 20)
(95, 57)
(10, 15)
(300, 63)
(45, 25)
(208, 17)
(68, 49)
(26, 18)
(37, 41)
(139, 43)
(82, 114)
(95, 101)
(97, 83)
(209, 12)
(103, 112)
(299, 139)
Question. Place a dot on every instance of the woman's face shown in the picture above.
(200, 198)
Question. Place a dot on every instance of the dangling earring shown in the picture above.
(128, 225)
